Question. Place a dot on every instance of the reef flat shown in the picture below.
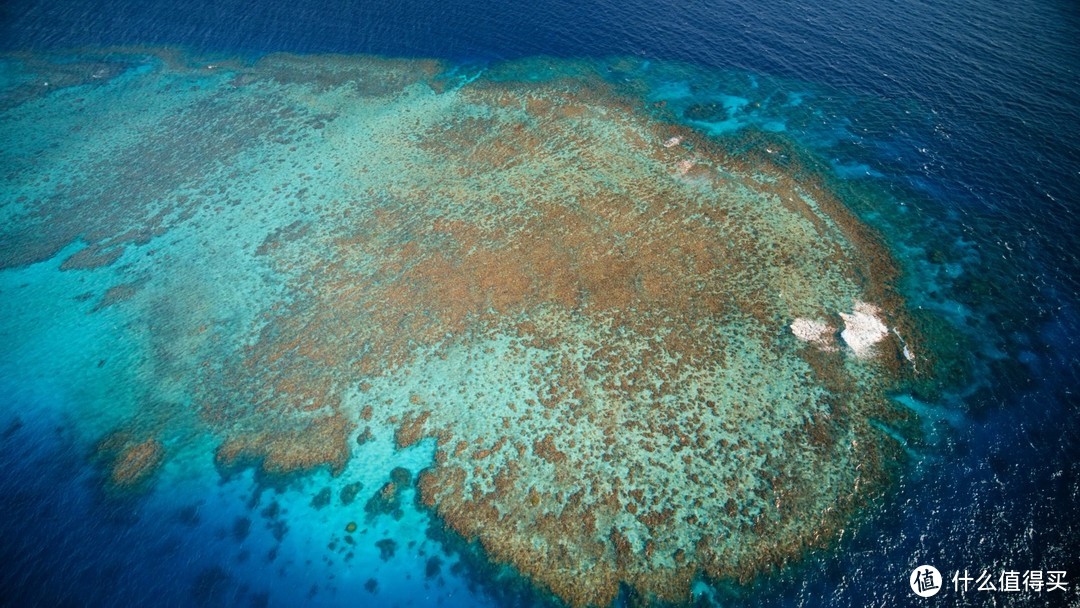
(643, 355)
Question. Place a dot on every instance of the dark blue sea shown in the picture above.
(963, 114)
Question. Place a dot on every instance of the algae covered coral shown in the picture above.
(623, 337)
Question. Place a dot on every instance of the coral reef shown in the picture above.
(349, 492)
(321, 442)
(130, 462)
(387, 501)
(620, 335)
(321, 499)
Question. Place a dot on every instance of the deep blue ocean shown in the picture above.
(966, 110)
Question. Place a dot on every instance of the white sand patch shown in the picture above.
(683, 166)
(671, 142)
(863, 329)
(814, 331)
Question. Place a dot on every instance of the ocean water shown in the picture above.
(151, 150)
